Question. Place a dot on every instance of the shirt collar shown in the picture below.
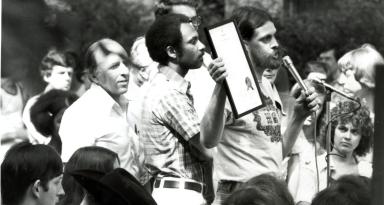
(104, 99)
(178, 82)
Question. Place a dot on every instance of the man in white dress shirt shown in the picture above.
(98, 117)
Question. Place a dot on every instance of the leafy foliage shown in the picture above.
(122, 21)
(349, 24)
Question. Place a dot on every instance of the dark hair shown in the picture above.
(315, 66)
(359, 119)
(164, 32)
(45, 111)
(253, 196)
(347, 190)
(105, 46)
(338, 49)
(248, 19)
(55, 57)
(25, 163)
(275, 185)
(164, 7)
(93, 158)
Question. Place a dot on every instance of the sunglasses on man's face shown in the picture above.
(195, 21)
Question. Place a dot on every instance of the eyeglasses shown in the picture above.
(195, 21)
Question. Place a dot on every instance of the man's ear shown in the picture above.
(92, 77)
(46, 77)
(36, 188)
(171, 51)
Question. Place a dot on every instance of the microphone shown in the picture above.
(332, 89)
(291, 68)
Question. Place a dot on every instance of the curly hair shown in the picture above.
(346, 113)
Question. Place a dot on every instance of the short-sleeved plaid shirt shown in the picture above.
(168, 122)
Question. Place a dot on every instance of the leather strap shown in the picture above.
(173, 184)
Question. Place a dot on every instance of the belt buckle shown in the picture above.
(179, 184)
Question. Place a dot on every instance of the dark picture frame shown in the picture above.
(241, 85)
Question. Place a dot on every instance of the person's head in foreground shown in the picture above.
(117, 187)
(92, 158)
(31, 174)
(271, 183)
(347, 190)
(254, 196)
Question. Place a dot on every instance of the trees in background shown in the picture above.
(77, 23)
(349, 24)
(122, 21)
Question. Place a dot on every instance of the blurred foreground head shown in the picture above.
(349, 189)
(31, 174)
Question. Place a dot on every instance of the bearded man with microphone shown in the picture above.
(253, 144)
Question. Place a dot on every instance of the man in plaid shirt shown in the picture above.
(169, 124)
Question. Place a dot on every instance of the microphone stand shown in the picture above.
(328, 97)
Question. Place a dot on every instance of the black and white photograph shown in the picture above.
(192, 102)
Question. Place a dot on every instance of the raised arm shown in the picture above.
(212, 124)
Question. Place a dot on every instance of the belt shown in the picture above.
(178, 184)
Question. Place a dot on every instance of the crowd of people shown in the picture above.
(154, 126)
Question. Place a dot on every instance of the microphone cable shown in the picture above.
(315, 144)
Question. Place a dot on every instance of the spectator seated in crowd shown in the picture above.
(90, 158)
(47, 112)
(12, 101)
(358, 72)
(117, 187)
(351, 137)
(143, 69)
(31, 174)
(56, 69)
(347, 190)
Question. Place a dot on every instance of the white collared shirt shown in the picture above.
(95, 119)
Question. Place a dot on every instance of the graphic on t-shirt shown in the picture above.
(268, 120)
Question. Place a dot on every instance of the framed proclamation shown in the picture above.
(241, 85)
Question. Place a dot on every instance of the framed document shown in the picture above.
(241, 85)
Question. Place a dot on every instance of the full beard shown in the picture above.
(264, 61)
(270, 62)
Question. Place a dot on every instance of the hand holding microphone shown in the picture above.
(291, 68)
(310, 101)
